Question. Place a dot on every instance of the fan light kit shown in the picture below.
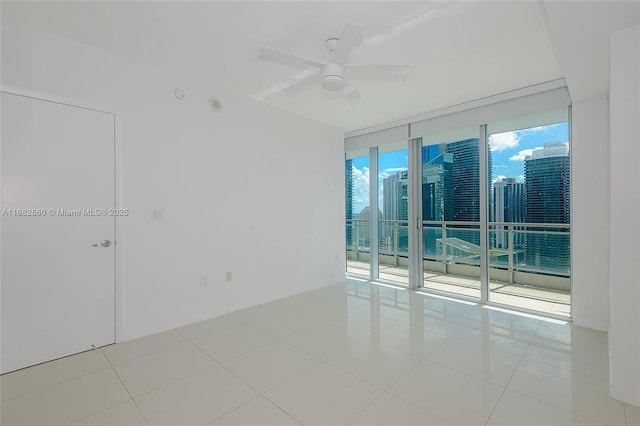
(333, 73)
(333, 76)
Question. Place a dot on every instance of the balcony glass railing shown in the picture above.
(519, 253)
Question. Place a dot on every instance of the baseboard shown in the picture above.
(621, 393)
(587, 323)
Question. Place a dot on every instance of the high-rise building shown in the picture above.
(395, 196)
(348, 169)
(403, 202)
(392, 196)
(547, 201)
(508, 196)
(450, 189)
(508, 206)
(362, 231)
(395, 206)
(437, 188)
(465, 179)
(460, 194)
(466, 185)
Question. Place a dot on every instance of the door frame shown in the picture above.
(119, 228)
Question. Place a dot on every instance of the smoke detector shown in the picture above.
(215, 104)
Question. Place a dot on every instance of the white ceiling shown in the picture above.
(458, 50)
(580, 33)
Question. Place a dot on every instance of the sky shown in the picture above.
(508, 149)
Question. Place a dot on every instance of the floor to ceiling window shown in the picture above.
(529, 235)
(473, 204)
(451, 211)
(358, 214)
(393, 202)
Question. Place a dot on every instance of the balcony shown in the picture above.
(529, 264)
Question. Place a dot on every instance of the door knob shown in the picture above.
(103, 243)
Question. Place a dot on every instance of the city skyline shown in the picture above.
(508, 153)
(450, 192)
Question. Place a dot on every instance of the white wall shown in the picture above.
(624, 201)
(589, 214)
(252, 189)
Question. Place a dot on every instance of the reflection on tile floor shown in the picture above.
(519, 296)
(354, 353)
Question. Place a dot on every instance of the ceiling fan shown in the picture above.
(332, 74)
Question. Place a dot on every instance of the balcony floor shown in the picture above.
(548, 301)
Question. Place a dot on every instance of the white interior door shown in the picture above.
(57, 288)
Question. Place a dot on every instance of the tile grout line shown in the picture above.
(283, 410)
(323, 321)
(364, 408)
(386, 391)
(506, 385)
(281, 339)
(391, 347)
(522, 357)
(570, 370)
(53, 384)
(172, 345)
(247, 403)
(56, 383)
(126, 389)
(232, 410)
(449, 423)
(560, 368)
(558, 407)
(187, 343)
(320, 361)
(260, 394)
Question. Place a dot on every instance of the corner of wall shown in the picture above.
(589, 175)
(624, 210)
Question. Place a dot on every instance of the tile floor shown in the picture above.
(354, 353)
(539, 299)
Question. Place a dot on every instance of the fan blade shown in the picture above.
(377, 70)
(349, 39)
(301, 84)
(351, 92)
(289, 58)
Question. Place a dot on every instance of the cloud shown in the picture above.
(499, 177)
(540, 128)
(501, 141)
(395, 169)
(522, 155)
(358, 174)
(391, 171)
(360, 185)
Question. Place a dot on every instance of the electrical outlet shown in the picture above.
(203, 280)
(228, 276)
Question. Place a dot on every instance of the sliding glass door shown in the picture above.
(393, 211)
(529, 235)
(473, 204)
(358, 216)
(451, 212)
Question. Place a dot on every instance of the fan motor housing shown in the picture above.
(333, 76)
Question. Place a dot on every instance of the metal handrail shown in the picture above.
(470, 223)
(392, 249)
